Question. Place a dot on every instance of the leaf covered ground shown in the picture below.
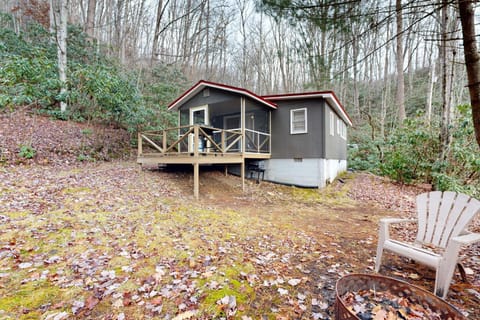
(103, 240)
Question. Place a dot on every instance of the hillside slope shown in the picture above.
(56, 141)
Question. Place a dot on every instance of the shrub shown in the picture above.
(27, 151)
(411, 152)
(28, 80)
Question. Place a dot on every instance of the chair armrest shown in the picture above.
(384, 232)
(467, 239)
(389, 221)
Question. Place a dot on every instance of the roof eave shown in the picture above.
(202, 84)
(329, 96)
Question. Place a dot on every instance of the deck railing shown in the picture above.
(201, 139)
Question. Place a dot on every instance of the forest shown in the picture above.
(87, 233)
(398, 67)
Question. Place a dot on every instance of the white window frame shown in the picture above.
(305, 130)
(343, 130)
(332, 123)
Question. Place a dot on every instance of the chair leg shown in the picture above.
(383, 235)
(378, 258)
(446, 269)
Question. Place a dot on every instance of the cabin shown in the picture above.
(297, 139)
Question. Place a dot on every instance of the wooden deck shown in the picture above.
(201, 145)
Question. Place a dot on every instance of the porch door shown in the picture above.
(198, 115)
(232, 122)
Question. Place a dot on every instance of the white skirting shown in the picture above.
(303, 172)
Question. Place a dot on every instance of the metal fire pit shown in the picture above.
(356, 282)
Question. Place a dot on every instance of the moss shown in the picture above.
(16, 215)
(128, 286)
(233, 286)
(77, 190)
(243, 294)
(145, 272)
(30, 296)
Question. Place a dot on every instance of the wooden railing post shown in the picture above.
(139, 144)
(195, 140)
(223, 141)
(164, 141)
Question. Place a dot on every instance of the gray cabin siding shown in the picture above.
(335, 145)
(215, 96)
(302, 146)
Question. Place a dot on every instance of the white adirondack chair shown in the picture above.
(442, 220)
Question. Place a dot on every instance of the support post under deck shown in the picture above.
(242, 173)
(196, 180)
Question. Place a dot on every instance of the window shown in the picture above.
(332, 124)
(298, 121)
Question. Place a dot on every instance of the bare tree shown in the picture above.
(400, 95)
(472, 60)
(90, 23)
(59, 8)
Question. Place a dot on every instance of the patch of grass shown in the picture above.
(128, 286)
(145, 271)
(242, 293)
(15, 215)
(30, 296)
(76, 190)
(232, 286)
(306, 194)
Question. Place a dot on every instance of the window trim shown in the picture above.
(332, 123)
(305, 130)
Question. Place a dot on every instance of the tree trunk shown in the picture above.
(445, 135)
(428, 108)
(90, 23)
(386, 87)
(400, 96)
(60, 16)
(472, 60)
(156, 35)
(356, 91)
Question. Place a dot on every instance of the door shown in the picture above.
(198, 115)
(230, 123)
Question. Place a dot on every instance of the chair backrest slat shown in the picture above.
(444, 225)
(422, 211)
(457, 219)
(434, 200)
(469, 212)
(443, 215)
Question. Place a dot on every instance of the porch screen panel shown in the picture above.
(257, 129)
(184, 121)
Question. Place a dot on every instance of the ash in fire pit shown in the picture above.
(374, 297)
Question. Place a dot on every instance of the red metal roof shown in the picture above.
(329, 96)
(202, 84)
(268, 100)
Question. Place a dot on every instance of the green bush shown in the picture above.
(28, 80)
(411, 155)
(461, 171)
(411, 152)
(27, 151)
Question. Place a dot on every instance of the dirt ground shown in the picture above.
(107, 241)
(81, 239)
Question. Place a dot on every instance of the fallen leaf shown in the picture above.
(282, 291)
(91, 302)
(414, 276)
(186, 315)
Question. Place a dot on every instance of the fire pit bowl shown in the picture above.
(348, 287)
